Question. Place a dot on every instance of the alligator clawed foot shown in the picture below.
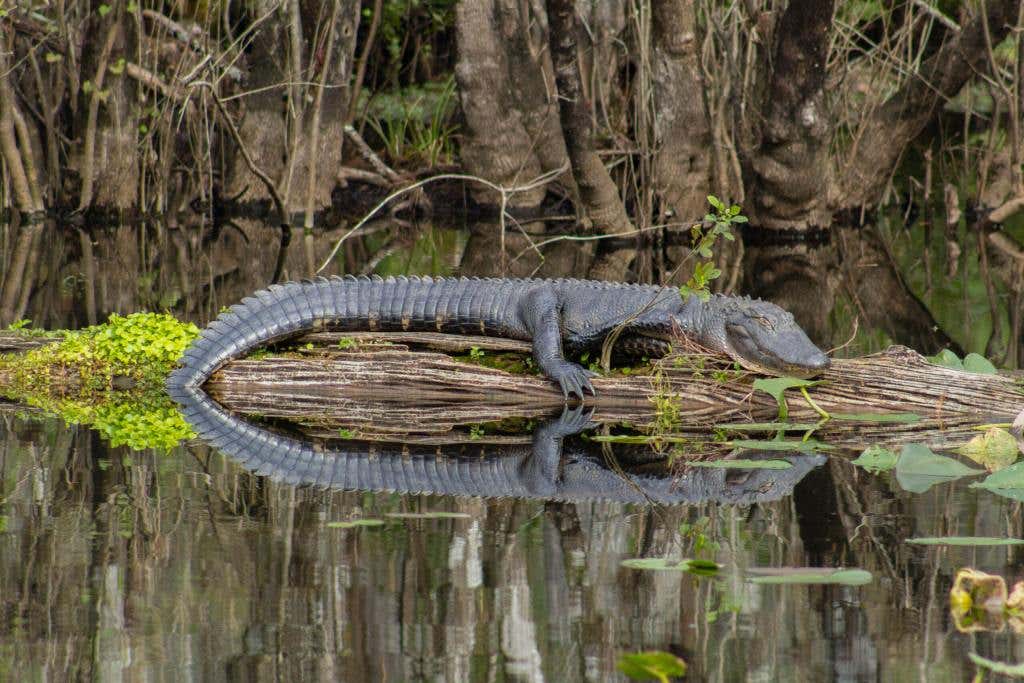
(574, 379)
(573, 421)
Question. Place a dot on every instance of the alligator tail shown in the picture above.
(356, 303)
(384, 468)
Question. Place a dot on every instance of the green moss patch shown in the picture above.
(109, 377)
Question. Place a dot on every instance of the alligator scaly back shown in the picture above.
(355, 303)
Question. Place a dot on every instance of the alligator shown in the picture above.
(547, 469)
(555, 315)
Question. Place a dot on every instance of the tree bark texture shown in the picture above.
(682, 131)
(497, 145)
(884, 134)
(598, 194)
(399, 391)
(108, 161)
(261, 123)
(790, 180)
(523, 31)
(293, 121)
(17, 157)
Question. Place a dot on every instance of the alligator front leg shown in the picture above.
(540, 310)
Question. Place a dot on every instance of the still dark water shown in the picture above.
(139, 566)
(121, 565)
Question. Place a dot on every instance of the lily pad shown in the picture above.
(698, 567)
(965, 540)
(743, 464)
(972, 362)
(978, 364)
(1007, 482)
(351, 524)
(946, 359)
(996, 449)
(809, 575)
(918, 468)
(654, 665)
(876, 459)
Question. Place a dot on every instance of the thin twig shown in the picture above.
(503, 191)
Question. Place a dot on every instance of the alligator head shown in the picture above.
(760, 336)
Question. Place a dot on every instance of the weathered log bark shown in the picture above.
(497, 145)
(789, 187)
(883, 136)
(13, 342)
(398, 391)
(598, 193)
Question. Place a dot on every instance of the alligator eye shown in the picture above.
(765, 322)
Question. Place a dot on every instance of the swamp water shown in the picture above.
(138, 565)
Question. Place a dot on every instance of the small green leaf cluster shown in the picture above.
(703, 237)
(73, 378)
(651, 666)
(972, 362)
(138, 424)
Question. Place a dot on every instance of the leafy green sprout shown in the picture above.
(703, 238)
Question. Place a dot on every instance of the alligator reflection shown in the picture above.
(553, 467)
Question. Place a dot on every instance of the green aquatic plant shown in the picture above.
(654, 665)
(109, 377)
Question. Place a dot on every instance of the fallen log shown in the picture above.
(397, 391)
(17, 342)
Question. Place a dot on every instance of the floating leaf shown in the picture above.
(809, 446)
(965, 540)
(741, 464)
(946, 359)
(698, 567)
(876, 459)
(653, 665)
(809, 575)
(355, 523)
(776, 386)
(918, 468)
(978, 364)
(768, 426)
(429, 515)
(1008, 482)
(996, 449)
(103, 10)
(901, 418)
(1014, 670)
